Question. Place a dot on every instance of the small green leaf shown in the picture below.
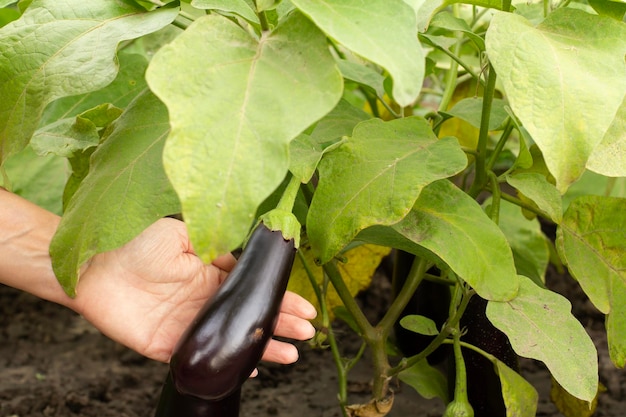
(58, 49)
(5, 3)
(520, 397)
(429, 382)
(592, 243)
(537, 188)
(235, 103)
(68, 136)
(539, 325)
(470, 110)
(363, 75)
(564, 80)
(384, 32)
(450, 224)
(127, 85)
(374, 178)
(306, 151)
(527, 241)
(124, 193)
(419, 324)
(243, 8)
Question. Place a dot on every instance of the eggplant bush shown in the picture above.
(449, 130)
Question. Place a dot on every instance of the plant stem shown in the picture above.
(496, 195)
(460, 381)
(374, 337)
(342, 371)
(415, 276)
(483, 135)
(262, 18)
(504, 137)
(366, 329)
(180, 24)
(524, 205)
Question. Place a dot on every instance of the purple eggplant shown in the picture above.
(174, 404)
(226, 340)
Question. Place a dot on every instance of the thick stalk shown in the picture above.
(262, 18)
(365, 328)
(483, 135)
(416, 274)
(374, 337)
(342, 371)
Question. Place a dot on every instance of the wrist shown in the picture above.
(25, 263)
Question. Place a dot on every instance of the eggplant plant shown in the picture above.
(449, 130)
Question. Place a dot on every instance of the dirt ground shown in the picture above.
(55, 364)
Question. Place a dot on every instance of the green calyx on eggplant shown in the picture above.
(226, 340)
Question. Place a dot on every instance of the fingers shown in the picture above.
(280, 352)
(293, 327)
(225, 262)
(296, 305)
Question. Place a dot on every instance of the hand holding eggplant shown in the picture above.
(146, 293)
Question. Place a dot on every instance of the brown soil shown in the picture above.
(54, 363)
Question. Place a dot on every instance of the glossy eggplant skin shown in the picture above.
(226, 340)
(174, 404)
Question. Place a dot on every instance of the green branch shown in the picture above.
(483, 137)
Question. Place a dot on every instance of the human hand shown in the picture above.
(146, 293)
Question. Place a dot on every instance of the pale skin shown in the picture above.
(143, 294)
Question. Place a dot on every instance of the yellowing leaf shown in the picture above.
(571, 406)
(357, 271)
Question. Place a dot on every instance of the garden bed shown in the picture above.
(55, 364)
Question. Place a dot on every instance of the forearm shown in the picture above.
(25, 234)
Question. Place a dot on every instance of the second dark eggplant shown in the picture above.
(224, 344)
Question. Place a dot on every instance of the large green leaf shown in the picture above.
(58, 49)
(451, 225)
(125, 191)
(382, 31)
(609, 157)
(374, 178)
(235, 103)
(539, 324)
(592, 242)
(565, 80)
